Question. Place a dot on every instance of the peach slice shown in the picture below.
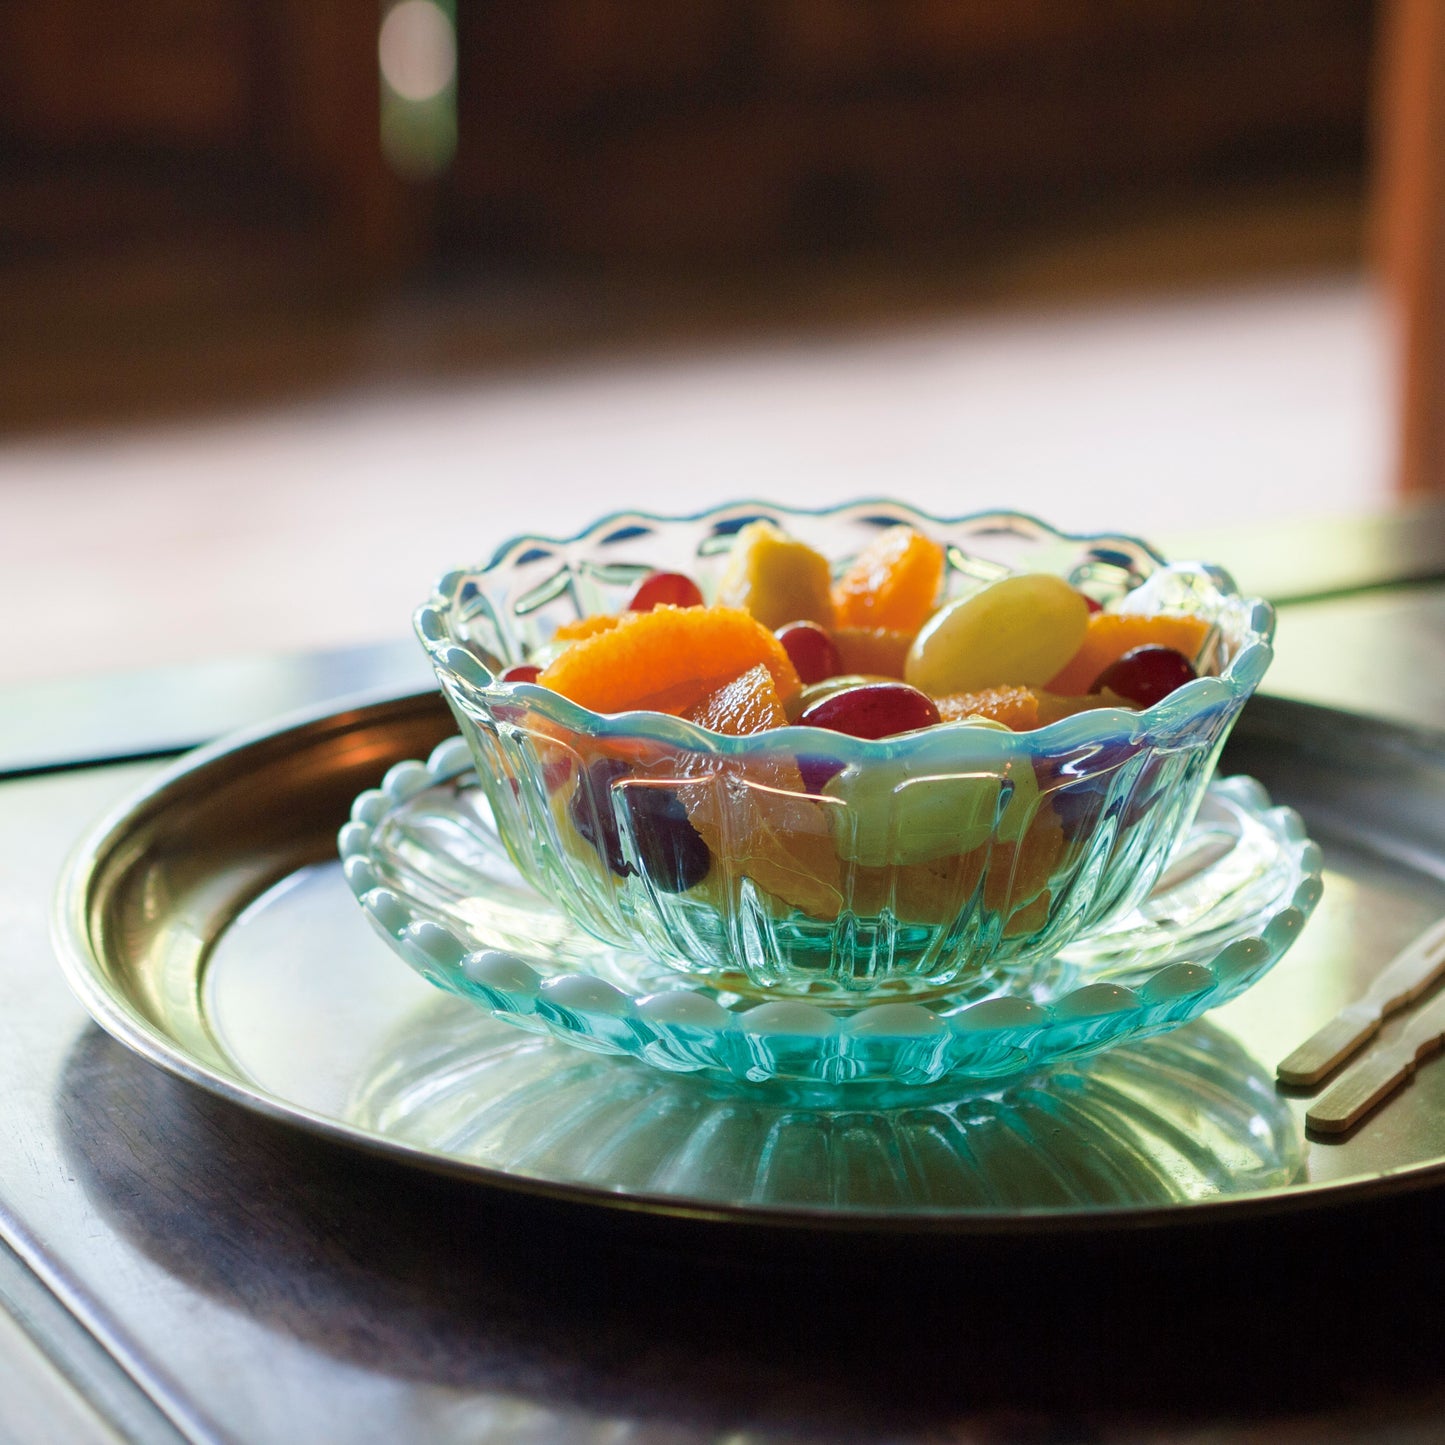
(1020, 709)
(872, 651)
(757, 816)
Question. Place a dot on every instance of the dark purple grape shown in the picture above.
(872, 710)
(673, 855)
(1146, 675)
(1077, 787)
(810, 650)
(818, 772)
(671, 851)
(590, 809)
(1150, 787)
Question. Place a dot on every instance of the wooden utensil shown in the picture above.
(1408, 975)
(1369, 1083)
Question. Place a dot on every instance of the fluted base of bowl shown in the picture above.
(738, 883)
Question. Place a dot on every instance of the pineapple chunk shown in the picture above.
(776, 578)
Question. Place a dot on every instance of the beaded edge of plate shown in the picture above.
(457, 665)
(900, 1042)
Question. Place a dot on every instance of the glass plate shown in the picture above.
(423, 858)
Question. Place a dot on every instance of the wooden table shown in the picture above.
(173, 1268)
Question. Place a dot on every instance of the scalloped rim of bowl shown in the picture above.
(1096, 726)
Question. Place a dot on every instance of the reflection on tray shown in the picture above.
(1184, 1117)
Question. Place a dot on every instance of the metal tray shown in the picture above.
(206, 926)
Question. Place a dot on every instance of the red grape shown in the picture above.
(671, 589)
(1146, 675)
(811, 650)
(521, 672)
(556, 772)
(872, 710)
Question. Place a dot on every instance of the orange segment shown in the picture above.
(1014, 707)
(1019, 872)
(776, 838)
(872, 651)
(935, 892)
(755, 816)
(668, 660)
(1031, 918)
(1112, 634)
(585, 627)
(893, 583)
(760, 825)
(748, 704)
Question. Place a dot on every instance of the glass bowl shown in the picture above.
(954, 855)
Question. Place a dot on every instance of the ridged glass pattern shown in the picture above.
(962, 856)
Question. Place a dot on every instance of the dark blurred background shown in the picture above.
(204, 200)
(304, 301)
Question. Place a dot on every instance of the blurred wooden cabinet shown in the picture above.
(658, 130)
(173, 169)
(172, 72)
(178, 150)
(665, 130)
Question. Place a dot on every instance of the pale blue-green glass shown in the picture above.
(954, 857)
(426, 863)
(1186, 1118)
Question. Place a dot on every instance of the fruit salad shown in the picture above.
(819, 852)
(871, 652)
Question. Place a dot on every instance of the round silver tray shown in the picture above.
(206, 925)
